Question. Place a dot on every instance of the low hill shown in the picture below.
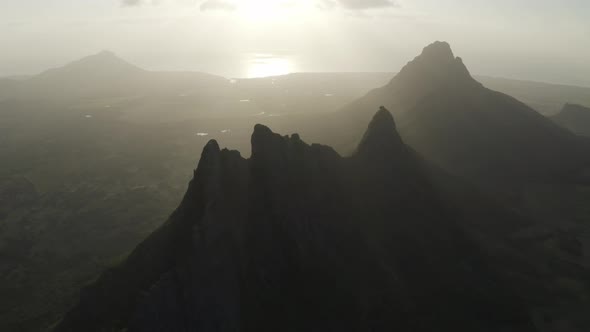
(575, 118)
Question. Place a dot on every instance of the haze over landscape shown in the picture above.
(277, 165)
(539, 40)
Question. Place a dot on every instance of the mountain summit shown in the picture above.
(104, 60)
(297, 238)
(381, 140)
(438, 51)
(436, 65)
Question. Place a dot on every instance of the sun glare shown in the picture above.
(271, 10)
(265, 65)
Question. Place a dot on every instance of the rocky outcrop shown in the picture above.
(381, 140)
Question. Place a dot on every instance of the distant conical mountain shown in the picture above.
(575, 118)
(106, 75)
(105, 64)
(297, 238)
(469, 130)
(96, 76)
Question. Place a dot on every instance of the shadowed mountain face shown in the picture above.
(467, 129)
(575, 118)
(297, 238)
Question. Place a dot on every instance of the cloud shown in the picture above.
(357, 4)
(232, 5)
(222, 5)
(136, 3)
(130, 3)
(367, 4)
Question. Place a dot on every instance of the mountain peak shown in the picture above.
(100, 63)
(381, 139)
(383, 119)
(260, 137)
(209, 157)
(439, 51)
(106, 53)
(265, 143)
(436, 66)
(212, 147)
(104, 57)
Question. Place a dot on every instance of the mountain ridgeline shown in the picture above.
(467, 129)
(298, 238)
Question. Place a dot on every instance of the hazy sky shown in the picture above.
(529, 39)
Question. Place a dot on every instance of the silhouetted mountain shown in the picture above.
(381, 141)
(105, 75)
(436, 68)
(467, 129)
(297, 238)
(575, 118)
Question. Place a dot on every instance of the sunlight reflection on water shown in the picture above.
(268, 64)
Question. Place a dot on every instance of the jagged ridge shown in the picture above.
(299, 238)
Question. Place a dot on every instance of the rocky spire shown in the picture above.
(381, 140)
(209, 157)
